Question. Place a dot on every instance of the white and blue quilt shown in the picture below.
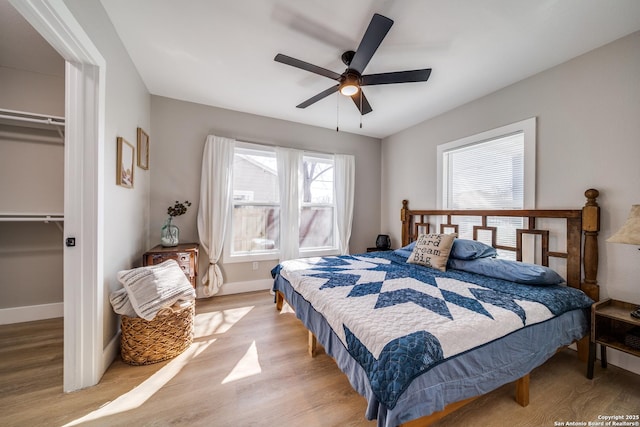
(399, 320)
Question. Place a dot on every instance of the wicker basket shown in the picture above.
(632, 338)
(144, 342)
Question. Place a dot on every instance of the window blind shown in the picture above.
(486, 175)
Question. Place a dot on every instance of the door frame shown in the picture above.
(83, 188)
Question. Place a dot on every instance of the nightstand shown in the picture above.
(378, 249)
(610, 323)
(186, 254)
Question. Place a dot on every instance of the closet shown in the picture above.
(31, 216)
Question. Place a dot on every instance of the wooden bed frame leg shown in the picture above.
(279, 300)
(313, 345)
(583, 349)
(522, 391)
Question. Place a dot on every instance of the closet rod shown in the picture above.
(53, 218)
(21, 116)
(31, 218)
(31, 117)
(47, 121)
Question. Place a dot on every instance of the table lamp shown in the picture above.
(629, 234)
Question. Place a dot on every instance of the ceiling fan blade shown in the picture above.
(306, 66)
(396, 77)
(318, 97)
(376, 32)
(366, 107)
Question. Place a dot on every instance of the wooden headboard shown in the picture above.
(580, 255)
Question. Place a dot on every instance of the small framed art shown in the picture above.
(126, 162)
(143, 149)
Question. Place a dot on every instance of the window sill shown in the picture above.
(319, 252)
(275, 256)
(251, 257)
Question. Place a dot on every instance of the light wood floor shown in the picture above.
(248, 366)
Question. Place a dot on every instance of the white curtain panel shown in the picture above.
(344, 184)
(289, 185)
(215, 198)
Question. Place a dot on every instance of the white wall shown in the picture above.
(31, 182)
(126, 211)
(34, 92)
(177, 142)
(588, 112)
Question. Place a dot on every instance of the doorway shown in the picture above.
(83, 187)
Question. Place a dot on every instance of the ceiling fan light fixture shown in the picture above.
(349, 89)
(350, 85)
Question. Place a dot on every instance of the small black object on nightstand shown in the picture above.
(383, 242)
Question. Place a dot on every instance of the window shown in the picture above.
(255, 219)
(485, 175)
(254, 230)
(491, 170)
(317, 212)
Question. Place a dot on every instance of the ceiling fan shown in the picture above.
(352, 79)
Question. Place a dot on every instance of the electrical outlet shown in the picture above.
(255, 265)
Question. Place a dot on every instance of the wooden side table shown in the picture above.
(186, 254)
(610, 322)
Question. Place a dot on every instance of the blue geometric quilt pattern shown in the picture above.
(398, 320)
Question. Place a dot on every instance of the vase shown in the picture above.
(169, 235)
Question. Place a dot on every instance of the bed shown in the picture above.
(419, 341)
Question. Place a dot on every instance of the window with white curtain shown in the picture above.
(254, 231)
(491, 170)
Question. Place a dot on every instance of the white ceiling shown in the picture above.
(220, 52)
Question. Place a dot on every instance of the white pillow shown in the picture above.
(155, 287)
(432, 250)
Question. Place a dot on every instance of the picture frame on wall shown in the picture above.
(143, 149)
(126, 163)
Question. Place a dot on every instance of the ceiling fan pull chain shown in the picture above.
(337, 113)
(360, 108)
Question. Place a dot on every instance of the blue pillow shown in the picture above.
(406, 250)
(471, 249)
(506, 269)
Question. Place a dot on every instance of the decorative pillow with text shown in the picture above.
(432, 250)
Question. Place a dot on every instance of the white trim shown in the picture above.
(83, 205)
(528, 126)
(250, 256)
(247, 286)
(112, 350)
(29, 313)
(83, 287)
(316, 252)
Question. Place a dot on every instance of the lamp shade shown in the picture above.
(630, 231)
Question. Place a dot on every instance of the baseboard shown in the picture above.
(248, 286)
(111, 352)
(30, 313)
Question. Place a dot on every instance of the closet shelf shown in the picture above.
(31, 217)
(28, 217)
(34, 119)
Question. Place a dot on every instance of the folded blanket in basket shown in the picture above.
(121, 303)
(152, 288)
